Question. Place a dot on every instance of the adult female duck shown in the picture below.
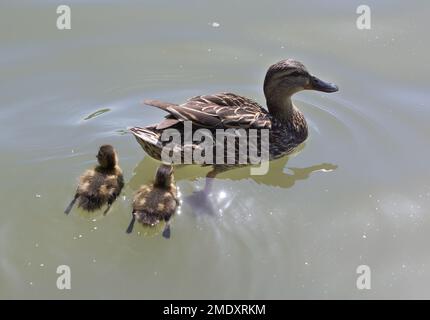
(287, 125)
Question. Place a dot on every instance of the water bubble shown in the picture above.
(215, 24)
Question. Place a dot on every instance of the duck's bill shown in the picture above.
(320, 85)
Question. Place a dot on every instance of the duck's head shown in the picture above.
(107, 157)
(164, 176)
(289, 76)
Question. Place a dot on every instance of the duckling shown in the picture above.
(101, 185)
(156, 202)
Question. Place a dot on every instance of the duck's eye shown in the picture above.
(295, 74)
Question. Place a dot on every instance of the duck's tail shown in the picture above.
(149, 140)
(160, 104)
(148, 134)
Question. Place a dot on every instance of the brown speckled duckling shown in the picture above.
(101, 185)
(156, 202)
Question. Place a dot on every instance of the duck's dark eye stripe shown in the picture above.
(295, 74)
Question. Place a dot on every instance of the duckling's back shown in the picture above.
(155, 201)
(97, 188)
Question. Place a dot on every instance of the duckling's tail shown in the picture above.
(91, 202)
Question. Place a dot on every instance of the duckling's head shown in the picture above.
(164, 176)
(289, 76)
(107, 157)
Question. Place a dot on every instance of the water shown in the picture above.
(358, 192)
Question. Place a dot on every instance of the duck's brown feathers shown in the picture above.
(223, 110)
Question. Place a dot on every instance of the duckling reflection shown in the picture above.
(156, 202)
(200, 201)
(101, 185)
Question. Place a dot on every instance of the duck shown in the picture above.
(285, 122)
(156, 202)
(101, 185)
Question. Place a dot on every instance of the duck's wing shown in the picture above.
(222, 110)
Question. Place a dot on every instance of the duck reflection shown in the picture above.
(201, 201)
